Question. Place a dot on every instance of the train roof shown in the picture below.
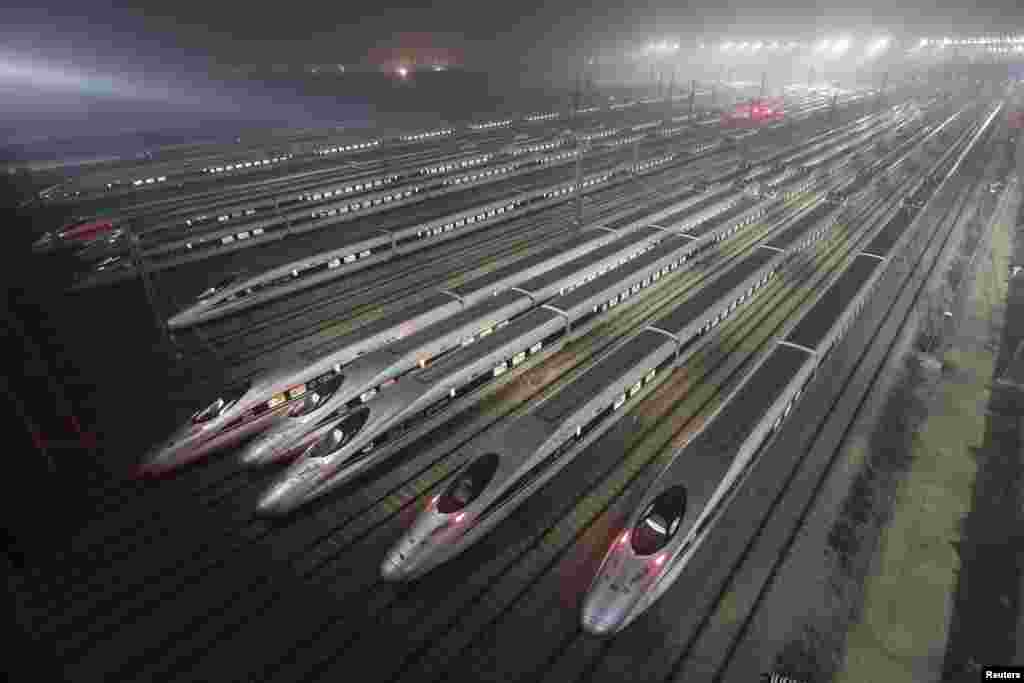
(452, 324)
(708, 456)
(486, 346)
(884, 241)
(694, 307)
(812, 328)
(594, 380)
(496, 276)
(677, 217)
(584, 292)
(383, 323)
(788, 236)
(647, 210)
(566, 269)
(713, 223)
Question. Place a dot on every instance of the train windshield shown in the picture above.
(317, 397)
(226, 282)
(341, 434)
(659, 522)
(217, 408)
(468, 484)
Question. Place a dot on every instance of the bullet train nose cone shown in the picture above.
(398, 566)
(262, 451)
(604, 613)
(278, 501)
(392, 568)
(164, 458)
(148, 471)
(176, 322)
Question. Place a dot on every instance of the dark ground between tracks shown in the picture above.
(95, 356)
(50, 336)
(988, 599)
(123, 389)
(982, 628)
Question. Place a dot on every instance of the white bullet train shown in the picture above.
(338, 446)
(680, 508)
(511, 461)
(249, 408)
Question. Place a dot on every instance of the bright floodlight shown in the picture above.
(727, 45)
(878, 46)
(823, 46)
(757, 46)
(403, 72)
(841, 46)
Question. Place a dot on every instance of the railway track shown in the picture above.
(156, 211)
(364, 536)
(311, 158)
(209, 485)
(443, 624)
(788, 496)
(668, 422)
(740, 245)
(219, 488)
(222, 242)
(468, 258)
(250, 324)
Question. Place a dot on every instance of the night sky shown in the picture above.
(99, 51)
(185, 31)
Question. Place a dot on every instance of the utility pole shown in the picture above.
(693, 97)
(579, 155)
(575, 101)
(581, 150)
(668, 98)
(141, 267)
(764, 82)
(810, 77)
(721, 81)
(881, 91)
(832, 113)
